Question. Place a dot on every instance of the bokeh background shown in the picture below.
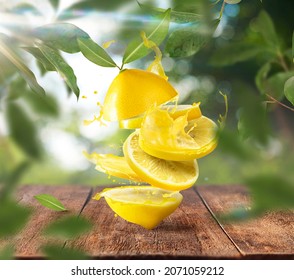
(59, 128)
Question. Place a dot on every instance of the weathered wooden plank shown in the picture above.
(28, 242)
(270, 236)
(190, 232)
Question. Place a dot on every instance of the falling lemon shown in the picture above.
(133, 92)
(177, 139)
(146, 206)
(169, 175)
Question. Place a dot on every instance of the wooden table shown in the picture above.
(191, 232)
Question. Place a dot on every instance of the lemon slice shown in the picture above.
(169, 175)
(179, 140)
(146, 206)
(175, 111)
(113, 166)
(133, 91)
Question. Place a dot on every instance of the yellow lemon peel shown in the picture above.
(133, 91)
(146, 206)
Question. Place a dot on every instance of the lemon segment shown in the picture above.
(146, 206)
(175, 111)
(169, 175)
(179, 140)
(113, 166)
(133, 91)
(192, 111)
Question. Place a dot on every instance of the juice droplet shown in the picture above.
(97, 118)
(95, 92)
(84, 97)
(156, 65)
(107, 44)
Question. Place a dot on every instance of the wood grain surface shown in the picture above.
(29, 241)
(190, 232)
(270, 236)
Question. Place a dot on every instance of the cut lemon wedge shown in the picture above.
(133, 91)
(113, 166)
(169, 175)
(146, 206)
(177, 139)
(175, 111)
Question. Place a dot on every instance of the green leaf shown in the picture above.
(7, 253)
(50, 202)
(188, 41)
(23, 8)
(136, 49)
(265, 26)
(24, 71)
(289, 89)
(95, 53)
(253, 122)
(274, 85)
(69, 227)
(232, 1)
(54, 3)
(40, 57)
(233, 53)
(261, 76)
(13, 217)
(271, 192)
(62, 36)
(22, 131)
(61, 67)
(11, 182)
(175, 16)
(43, 106)
(83, 7)
(231, 144)
(55, 252)
(293, 46)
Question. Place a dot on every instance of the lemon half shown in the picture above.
(133, 91)
(169, 175)
(146, 206)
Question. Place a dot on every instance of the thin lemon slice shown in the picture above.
(163, 137)
(113, 166)
(133, 91)
(169, 175)
(146, 206)
(175, 111)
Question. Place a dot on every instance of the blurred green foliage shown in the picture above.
(245, 50)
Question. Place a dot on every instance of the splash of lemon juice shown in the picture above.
(162, 152)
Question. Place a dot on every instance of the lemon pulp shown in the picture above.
(169, 175)
(176, 139)
(146, 206)
(113, 166)
(175, 111)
